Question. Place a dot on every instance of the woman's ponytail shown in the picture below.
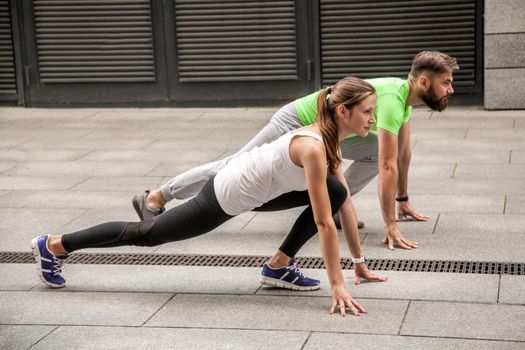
(328, 129)
(349, 92)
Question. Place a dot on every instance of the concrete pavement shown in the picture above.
(66, 169)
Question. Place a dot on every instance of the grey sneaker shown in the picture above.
(337, 221)
(143, 211)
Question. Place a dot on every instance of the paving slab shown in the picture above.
(512, 290)
(41, 131)
(22, 337)
(519, 123)
(40, 155)
(18, 277)
(276, 313)
(39, 183)
(430, 134)
(461, 237)
(116, 309)
(431, 170)
(48, 113)
(499, 171)
(209, 133)
(5, 166)
(461, 320)
(440, 122)
(177, 156)
(484, 226)
(161, 113)
(117, 183)
(18, 227)
(169, 338)
(471, 145)
(157, 279)
(88, 124)
(319, 341)
(515, 204)
(469, 204)
(9, 142)
(119, 141)
(466, 186)
(67, 199)
(83, 168)
(459, 156)
(502, 134)
(475, 112)
(517, 157)
(408, 286)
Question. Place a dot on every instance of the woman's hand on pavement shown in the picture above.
(343, 299)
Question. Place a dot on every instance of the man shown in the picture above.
(386, 152)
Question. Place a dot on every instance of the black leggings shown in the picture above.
(200, 215)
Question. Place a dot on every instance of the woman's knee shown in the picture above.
(139, 234)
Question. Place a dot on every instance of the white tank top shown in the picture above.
(260, 175)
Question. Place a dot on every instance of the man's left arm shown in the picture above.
(403, 160)
(404, 208)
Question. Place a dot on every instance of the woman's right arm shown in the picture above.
(311, 156)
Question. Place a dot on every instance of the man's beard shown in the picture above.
(433, 101)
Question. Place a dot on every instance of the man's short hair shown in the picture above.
(432, 63)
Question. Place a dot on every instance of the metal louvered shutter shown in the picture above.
(94, 41)
(379, 38)
(235, 40)
(7, 62)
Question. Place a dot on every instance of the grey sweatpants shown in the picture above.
(362, 150)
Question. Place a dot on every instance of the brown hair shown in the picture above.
(431, 63)
(349, 92)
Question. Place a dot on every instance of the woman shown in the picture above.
(300, 168)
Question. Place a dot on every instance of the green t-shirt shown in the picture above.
(391, 110)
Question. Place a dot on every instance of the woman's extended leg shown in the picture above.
(195, 217)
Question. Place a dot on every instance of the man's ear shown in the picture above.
(424, 82)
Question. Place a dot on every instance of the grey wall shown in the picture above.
(504, 54)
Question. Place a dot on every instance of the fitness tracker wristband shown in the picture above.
(402, 199)
(358, 260)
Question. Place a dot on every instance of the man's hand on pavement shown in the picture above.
(394, 238)
(405, 210)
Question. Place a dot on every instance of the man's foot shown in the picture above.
(337, 221)
(143, 210)
(289, 277)
(48, 265)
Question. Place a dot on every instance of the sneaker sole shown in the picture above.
(136, 206)
(36, 254)
(272, 282)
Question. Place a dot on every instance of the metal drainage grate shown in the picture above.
(476, 267)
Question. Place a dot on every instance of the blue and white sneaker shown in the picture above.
(49, 266)
(289, 277)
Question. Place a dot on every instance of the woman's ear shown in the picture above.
(341, 110)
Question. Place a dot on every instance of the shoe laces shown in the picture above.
(57, 265)
(294, 268)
